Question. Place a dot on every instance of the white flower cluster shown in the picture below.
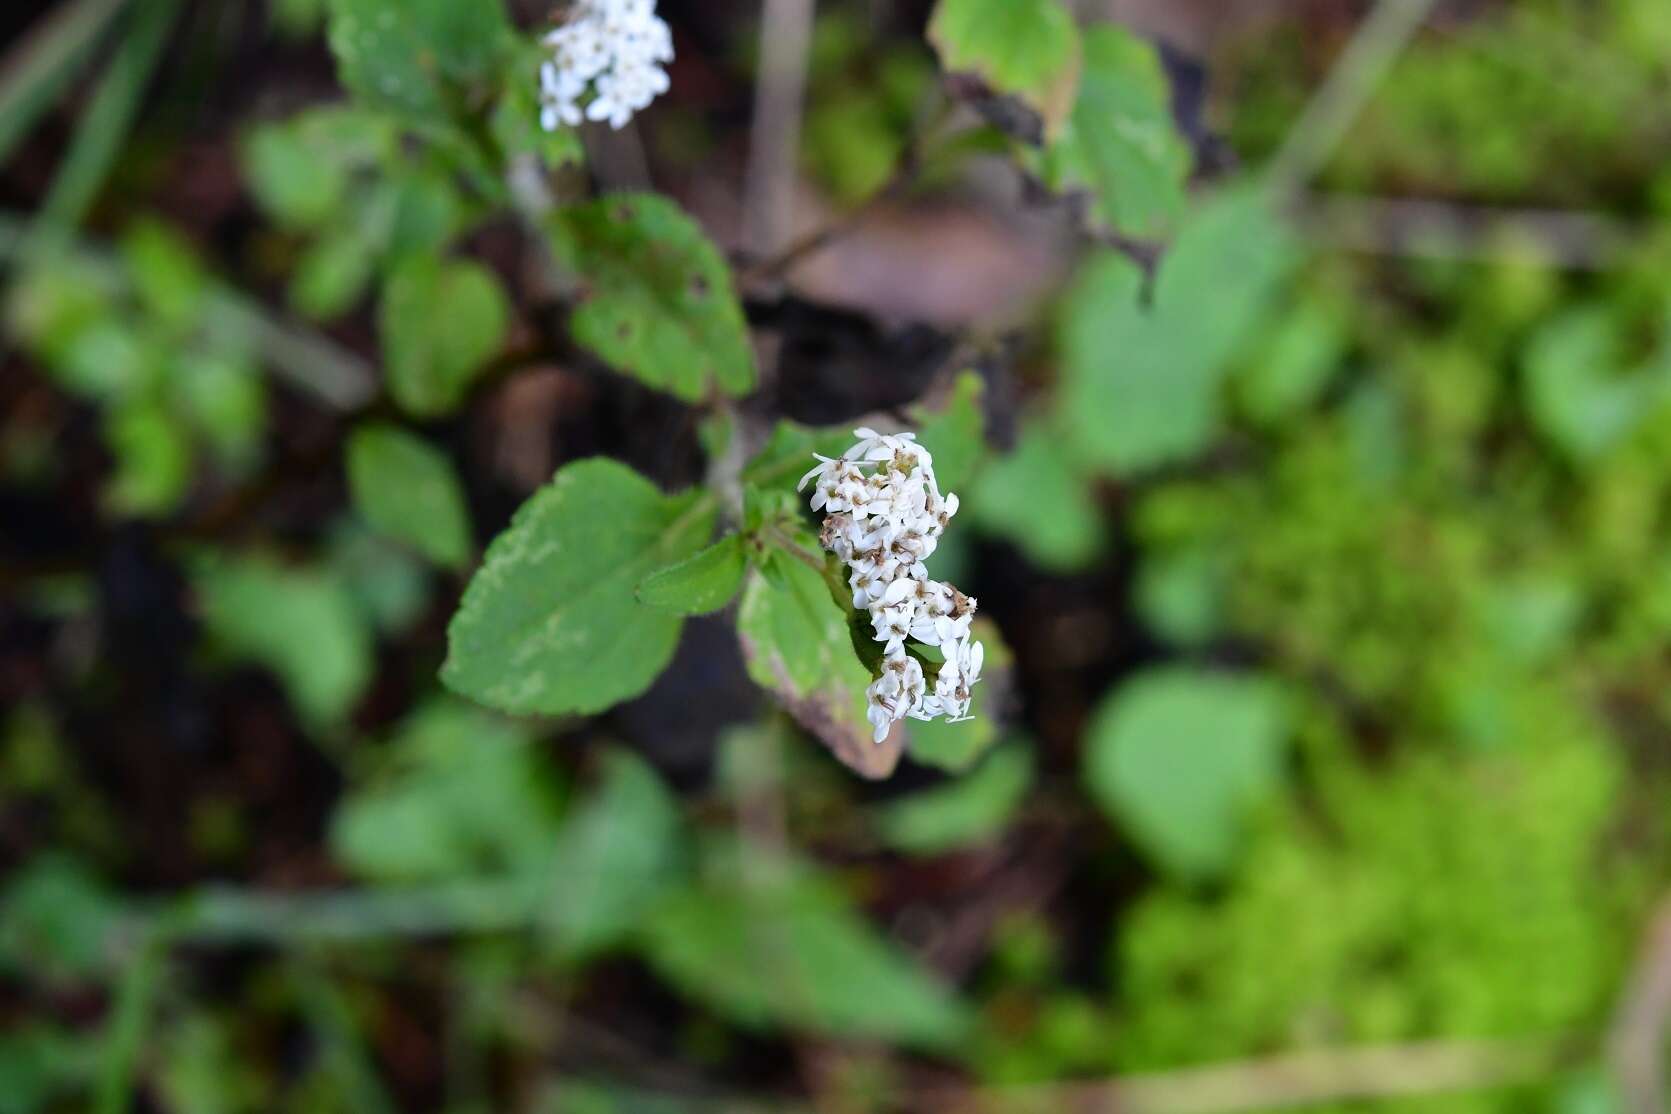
(884, 515)
(616, 49)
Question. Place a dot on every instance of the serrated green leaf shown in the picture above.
(1178, 756)
(964, 811)
(440, 322)
(1028, 49)
(425, 58)
(1143, 383)
(1120, 143)
(457, 793)
(793, 953)
(1036, 498)
(617, 854)
(797, 646)
(700, 584)
(407, 488)
(550, 623)
(302, 624)
(656, 299)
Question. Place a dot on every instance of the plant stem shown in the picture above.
(1362, 65)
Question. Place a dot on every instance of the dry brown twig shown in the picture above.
(1636, 1046)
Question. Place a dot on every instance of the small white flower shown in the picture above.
(884, 515)
(614, 48)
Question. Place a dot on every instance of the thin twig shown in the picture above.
(1419, 228)
(1332, 1075)
(775, 136)
(1362, 65)
(39, 66)
(104, 125)
(1637, 1044)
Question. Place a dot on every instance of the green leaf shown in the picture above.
(440, 321)
(956, 433)
(1028, 49)
(1120, 143)
(1142, 384)
(1577, 391)
(295, 188)
(788, 454)
(1036, 498)
(153, 460)
(421, 57)
(549, 623)
(616, 856)
(958, 746)
(167, 277)
(655, 299)
(224, 398)
(516, 118)
(1180, 594)
(388, 582)
(1293, 367)
(57, 921)
(797, 646)
(700, 584)
(964, 811)
(334, 270)
(457, 793)
(406, 488)
(1179, 756)
(301, 624)
(793, 953)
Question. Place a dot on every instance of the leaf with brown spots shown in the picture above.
(797, 647)
(660, 305)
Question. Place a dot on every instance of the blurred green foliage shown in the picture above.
(1350, 735)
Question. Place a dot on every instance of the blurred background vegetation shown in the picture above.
(1326, 765)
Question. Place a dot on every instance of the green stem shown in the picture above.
(104, 126)
(35, 73)
(126, 1029)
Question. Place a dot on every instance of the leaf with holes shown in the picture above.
(1027, 49)
(655, 296)
(418, 57)
(1120, 144)
(549, 623)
